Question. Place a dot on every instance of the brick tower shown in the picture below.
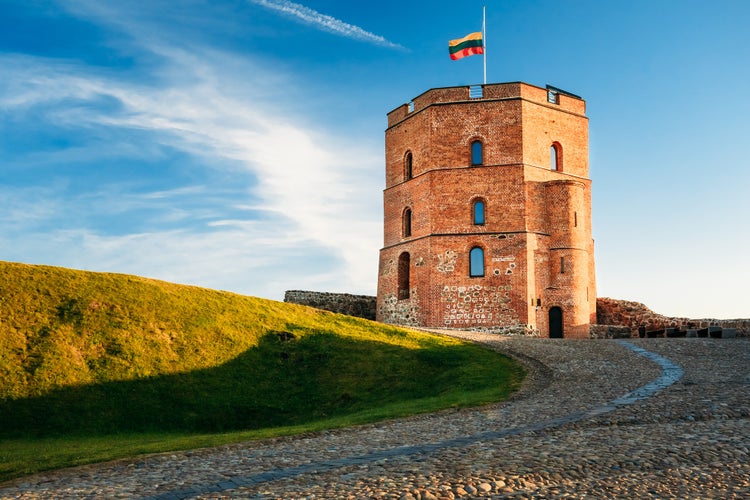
(487, 212)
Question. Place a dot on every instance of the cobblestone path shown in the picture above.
(644, 418)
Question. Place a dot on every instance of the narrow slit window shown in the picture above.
(404, 261)
(478, 212)
(407, 223)
(477, 154)
(555, 156)
(408, 173)
(562, 265)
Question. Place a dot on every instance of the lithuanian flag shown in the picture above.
(469, 45)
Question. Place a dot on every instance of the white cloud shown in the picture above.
(321, 195)
(325, 22)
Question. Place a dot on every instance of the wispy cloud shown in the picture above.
(325, 22)
(295, 194)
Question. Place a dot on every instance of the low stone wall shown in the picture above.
(634, 315)
(361, 306)
(610, 332)
(615, 318)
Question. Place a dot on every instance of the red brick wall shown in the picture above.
(534, 216)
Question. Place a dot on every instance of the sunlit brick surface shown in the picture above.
(538, 249)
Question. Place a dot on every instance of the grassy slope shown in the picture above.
(103, 358)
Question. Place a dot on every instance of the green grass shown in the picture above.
(100, 366)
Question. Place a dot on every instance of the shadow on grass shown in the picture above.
(285, 380)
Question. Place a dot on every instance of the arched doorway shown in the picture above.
(555, 323)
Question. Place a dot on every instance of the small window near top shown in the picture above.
(478, 212)
(408, 166)
(476, 92)
(407, 223)
(476, 153)
(476, 262)
(553, 97)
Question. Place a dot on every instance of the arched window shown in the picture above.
(403, 275)
(408, 173)
(476, 262)
(406, 228)
(476, 153)
(478, 212)
(555, 156)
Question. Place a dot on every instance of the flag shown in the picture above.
(469, 45)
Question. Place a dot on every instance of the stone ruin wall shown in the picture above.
(615, 318)
(360, 306)
(627, 315)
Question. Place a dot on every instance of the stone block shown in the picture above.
(714, 332)
(692, 333)
(729, 333)
(674, 332)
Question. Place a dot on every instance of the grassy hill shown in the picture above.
(116, 360)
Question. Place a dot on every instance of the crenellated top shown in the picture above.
(549, 96)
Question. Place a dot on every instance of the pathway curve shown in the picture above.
(666, 418)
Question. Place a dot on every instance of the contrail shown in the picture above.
(325, 22)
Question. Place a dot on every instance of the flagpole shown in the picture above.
(484, 41)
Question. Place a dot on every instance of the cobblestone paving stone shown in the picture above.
(595, 419)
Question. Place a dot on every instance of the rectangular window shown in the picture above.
(476, 153)
(562, 265)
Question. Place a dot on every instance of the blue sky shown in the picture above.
(238, 144)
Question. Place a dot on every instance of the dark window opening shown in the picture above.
(407, 223)
(408, 173)
(562, 265)
(403, 275)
